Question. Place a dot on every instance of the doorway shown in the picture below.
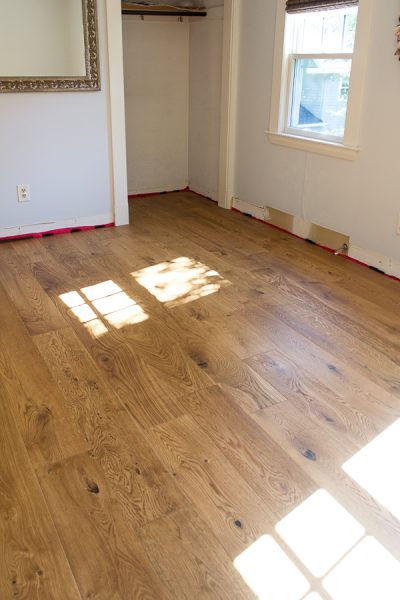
(175, 115)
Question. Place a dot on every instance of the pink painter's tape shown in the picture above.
(62, 231)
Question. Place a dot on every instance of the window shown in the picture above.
(319, 71)
(318, 77)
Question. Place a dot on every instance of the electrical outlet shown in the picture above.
(23, 193)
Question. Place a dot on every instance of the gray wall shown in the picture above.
(59, 144)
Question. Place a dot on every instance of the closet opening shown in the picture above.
(173, 76)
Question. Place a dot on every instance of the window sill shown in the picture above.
(315, 146)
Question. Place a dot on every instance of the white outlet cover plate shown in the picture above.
(23, 193)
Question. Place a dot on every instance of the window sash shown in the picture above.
(298, 132)
(297, 33)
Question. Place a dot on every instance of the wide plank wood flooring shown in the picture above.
(196, 406)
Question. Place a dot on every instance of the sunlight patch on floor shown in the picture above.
(84, 313)
(72, 299)
(335, 558)
(101, 290)
(102, 305)
(270, 573)
(130, 315)
(96, 328)
(320, 531)
(369, 572)
(180, 281)
(377, 468)
(114, 303)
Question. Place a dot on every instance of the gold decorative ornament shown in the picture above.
(397, 53)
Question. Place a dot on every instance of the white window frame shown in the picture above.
(348, 148)
(291, 68)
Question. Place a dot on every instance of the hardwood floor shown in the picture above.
(196, 406)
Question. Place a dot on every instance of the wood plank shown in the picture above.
(273, 475)
(106, 557)
(33, 397)
(218, 322)
(353, 387)
(314, 398)
(195, 565)
(33, 305)
(372, 335)
(138, 484)
(202, 230)
(222, 365)
(321, 453)
(28, 249)
(32, 561)
(329, 336)
(327, 283)
(226, 503)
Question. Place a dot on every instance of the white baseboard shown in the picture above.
(49, 225)
(159, 190)
(259, 212)
(388, 265)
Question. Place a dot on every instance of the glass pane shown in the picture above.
(329, 31)
(320, 95)
(349, 34)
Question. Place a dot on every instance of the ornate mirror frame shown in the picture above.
(90, 82)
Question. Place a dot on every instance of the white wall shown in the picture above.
(156, 65)
(59, 144)
(360, 198)
(206, 35)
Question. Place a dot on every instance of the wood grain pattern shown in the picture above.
(108, 562)
(32, 560)
(34, 399)
(138, 483)
(353, 327)
(195, 565)
(322, 454)
(274, 476)
(212, 484)
(139, 459)
(35, 308)
(314, 398)
(224, 367)
(334, 371)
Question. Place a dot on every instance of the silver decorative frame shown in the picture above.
(90, 82)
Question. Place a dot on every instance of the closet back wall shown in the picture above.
(156, 64)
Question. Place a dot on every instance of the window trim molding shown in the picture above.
(348, 148)
(308, 144)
